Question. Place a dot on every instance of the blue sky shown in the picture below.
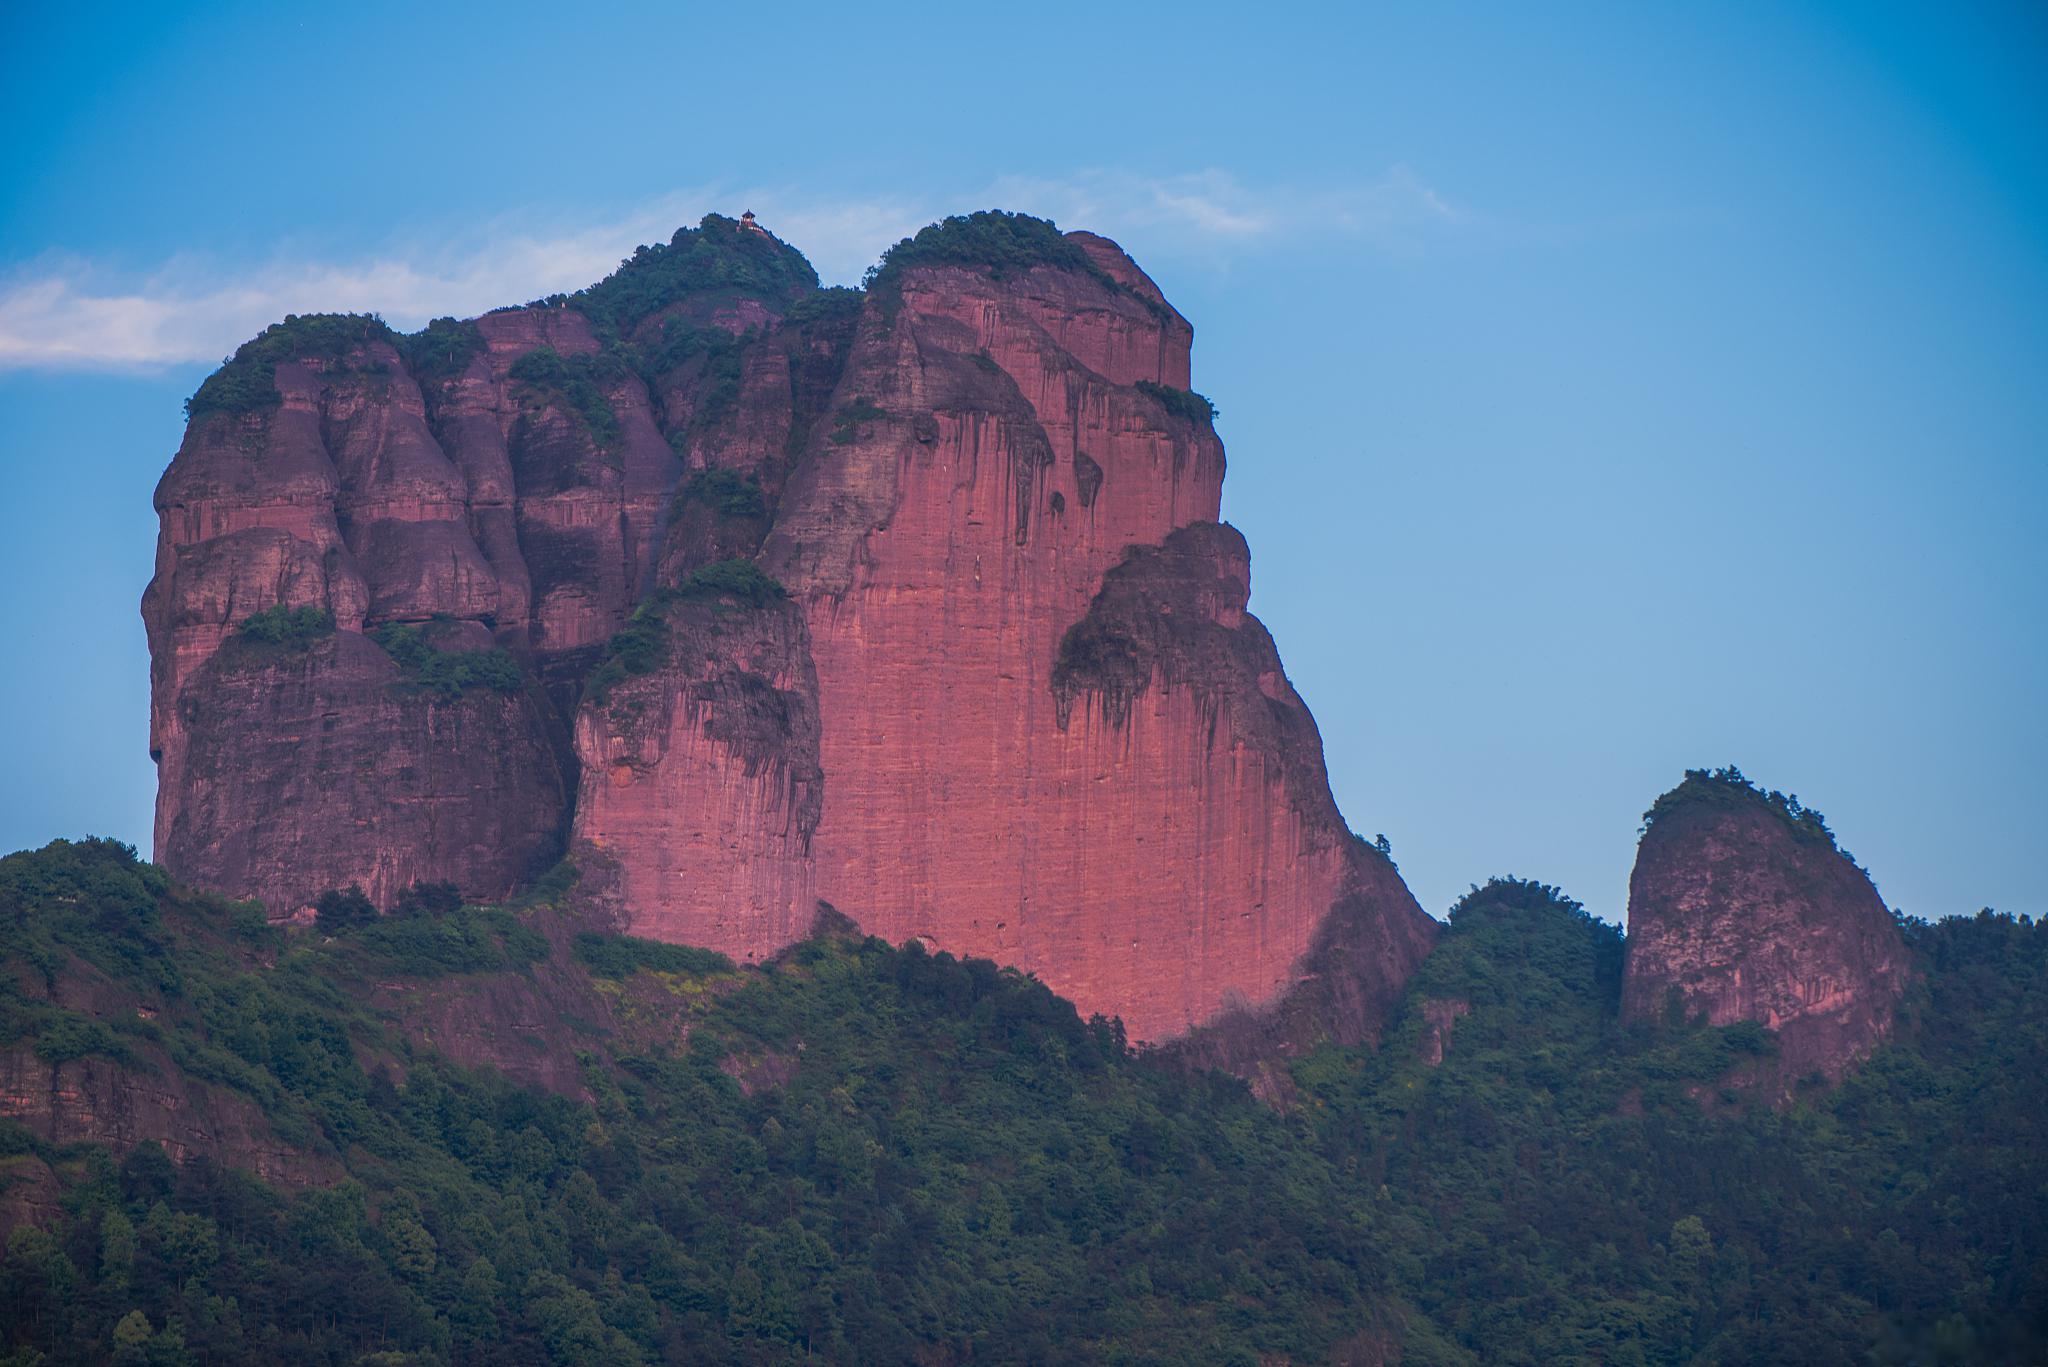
(1608, 390)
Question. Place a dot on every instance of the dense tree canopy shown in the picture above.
(868, 1153)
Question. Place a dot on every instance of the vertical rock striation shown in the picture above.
(1742, 908)
(912, 600)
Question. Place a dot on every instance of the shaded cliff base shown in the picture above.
(507, 1133)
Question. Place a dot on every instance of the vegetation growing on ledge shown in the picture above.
(284, 629)
(641, 646)
(1728, 788)
(621, 956)
(1184, 404)
(737, 581)
(247, 381)
(1101, 654)
(725, 492)
(577, 383)
(846, 423)
(720, 356)
(449, 673)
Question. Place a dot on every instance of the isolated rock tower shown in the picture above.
(1741, 908)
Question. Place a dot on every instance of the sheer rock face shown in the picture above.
(323, 767)
(1747, 915)
(701, 780)
(1012, 703)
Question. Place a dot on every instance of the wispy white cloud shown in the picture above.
(1208, 210)
(61, 311)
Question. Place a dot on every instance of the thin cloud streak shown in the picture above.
(64, 313)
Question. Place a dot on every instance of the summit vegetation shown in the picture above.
(992, 240)
(1728, 789)
(247, 381)
(718, 256)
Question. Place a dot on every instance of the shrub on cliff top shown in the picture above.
(247, 381)
(992, 239)
(995, 240)
(833, 304)
(1727, 787)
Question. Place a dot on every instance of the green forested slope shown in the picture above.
(937, 1161)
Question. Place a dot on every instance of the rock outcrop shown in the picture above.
(910, 600)
(1742, 908)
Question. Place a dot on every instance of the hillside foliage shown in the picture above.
(937, 1160)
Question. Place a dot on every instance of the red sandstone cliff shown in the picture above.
(912, 601)
(1742, 908)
